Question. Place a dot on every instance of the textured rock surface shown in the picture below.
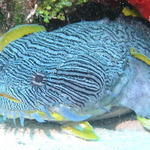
(57, 13)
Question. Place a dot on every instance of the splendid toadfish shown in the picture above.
(76, 73)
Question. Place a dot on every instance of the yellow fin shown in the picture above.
(83, 130)
(129, 12)
(140, 56)
(18, 32)
(10, 98)
(145, 122)
(57, 116)
(42, 114)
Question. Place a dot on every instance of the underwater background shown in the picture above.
(123, 132)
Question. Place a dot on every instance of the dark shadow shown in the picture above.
(111, 123)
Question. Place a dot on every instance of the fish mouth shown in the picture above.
(8, 113)
(29, 113)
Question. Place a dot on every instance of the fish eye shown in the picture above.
(38, 79)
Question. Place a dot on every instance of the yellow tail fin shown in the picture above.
(18, 32)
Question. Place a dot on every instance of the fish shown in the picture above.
(75, 73)
(130, 12)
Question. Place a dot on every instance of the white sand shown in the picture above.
(118, 134)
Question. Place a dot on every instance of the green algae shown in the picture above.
(56, 9)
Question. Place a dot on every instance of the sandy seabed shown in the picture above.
(121, 133)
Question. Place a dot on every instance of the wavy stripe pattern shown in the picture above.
(76, 65)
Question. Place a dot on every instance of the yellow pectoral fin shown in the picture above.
(140, 56)
(82, 130)
(57, 116)
(10, 98)
(18, 32)
(145, 122)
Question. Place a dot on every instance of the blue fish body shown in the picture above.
(78, 71)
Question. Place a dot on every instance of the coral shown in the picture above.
(56, 13)
(17, 16)
(13, 12)
(56, 9)
(143, 6)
